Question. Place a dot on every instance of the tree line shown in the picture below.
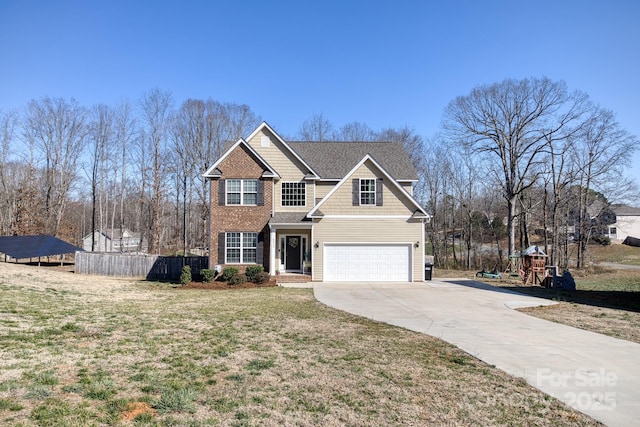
(516, 160)
(67, 169)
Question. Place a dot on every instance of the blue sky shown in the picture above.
(384, 63)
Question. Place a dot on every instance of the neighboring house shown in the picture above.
(627, 223)
(339, 211)
(115, 240)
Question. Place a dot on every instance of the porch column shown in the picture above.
(272, 251)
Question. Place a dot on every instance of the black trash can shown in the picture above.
(428, 270)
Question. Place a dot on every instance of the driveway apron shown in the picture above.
(593, 373)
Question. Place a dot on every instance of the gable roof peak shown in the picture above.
(418, 209)
(265, 125)
(213, 172)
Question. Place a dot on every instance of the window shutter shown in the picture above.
(379, 192)
(260, 251)
(260, 195)
(356, 192)
(221, 193)
(221, 248)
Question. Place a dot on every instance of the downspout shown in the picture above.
(423, 224)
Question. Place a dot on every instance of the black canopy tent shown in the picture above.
(21, 247)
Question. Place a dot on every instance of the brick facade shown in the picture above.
(240, 164)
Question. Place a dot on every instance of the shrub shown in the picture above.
(262, 277)
(207, 275)
(253, 271)
(185, 277)
(228, 273)
(238, 279)
(601, 240)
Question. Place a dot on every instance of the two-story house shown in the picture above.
(339, 211)
(627, 223)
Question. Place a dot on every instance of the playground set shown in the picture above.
(531, 267)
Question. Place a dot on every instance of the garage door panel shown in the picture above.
(354, 262)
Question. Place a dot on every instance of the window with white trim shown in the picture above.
(241, 248)
(294, 194)
(368, 192)
(242, 191)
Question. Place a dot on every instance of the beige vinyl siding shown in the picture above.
(323, 188)
(401, 231)
(286, 165)
(341, 202)
(408, 187)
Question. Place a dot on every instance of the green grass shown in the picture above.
(620, 254)
(77, 350)
(615, 280)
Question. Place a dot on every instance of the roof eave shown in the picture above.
(287, 146)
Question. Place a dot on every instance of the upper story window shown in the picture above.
(294, 194)
(242, 191)
(368, 192)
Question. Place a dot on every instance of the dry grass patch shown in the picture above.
(605, 301)
(616, 323)
(621, 254)
(79, 350)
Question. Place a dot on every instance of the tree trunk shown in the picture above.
(511, 229)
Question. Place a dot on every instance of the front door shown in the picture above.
(293, 251)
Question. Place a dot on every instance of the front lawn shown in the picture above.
(83, 351)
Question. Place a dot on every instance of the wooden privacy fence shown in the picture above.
(152, 267)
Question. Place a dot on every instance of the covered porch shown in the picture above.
(290, 243)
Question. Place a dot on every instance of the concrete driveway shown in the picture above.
(592, 373)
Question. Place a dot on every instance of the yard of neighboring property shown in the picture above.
(605, 301)
(84, 350)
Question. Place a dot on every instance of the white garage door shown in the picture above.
(371, 263)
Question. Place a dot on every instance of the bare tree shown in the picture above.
(465, 179)
(188, 130)
(604, 148)
(316, 128)
(7, 203)
(101, 131)
(155, 109)
(57, 129)
(415, 147)
(434, 174)
(355, 131)
(125, 130)
(511, 122)
(556, 181)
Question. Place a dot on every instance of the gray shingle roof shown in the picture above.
(624, 210)
(333, 160)
(288, 218)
